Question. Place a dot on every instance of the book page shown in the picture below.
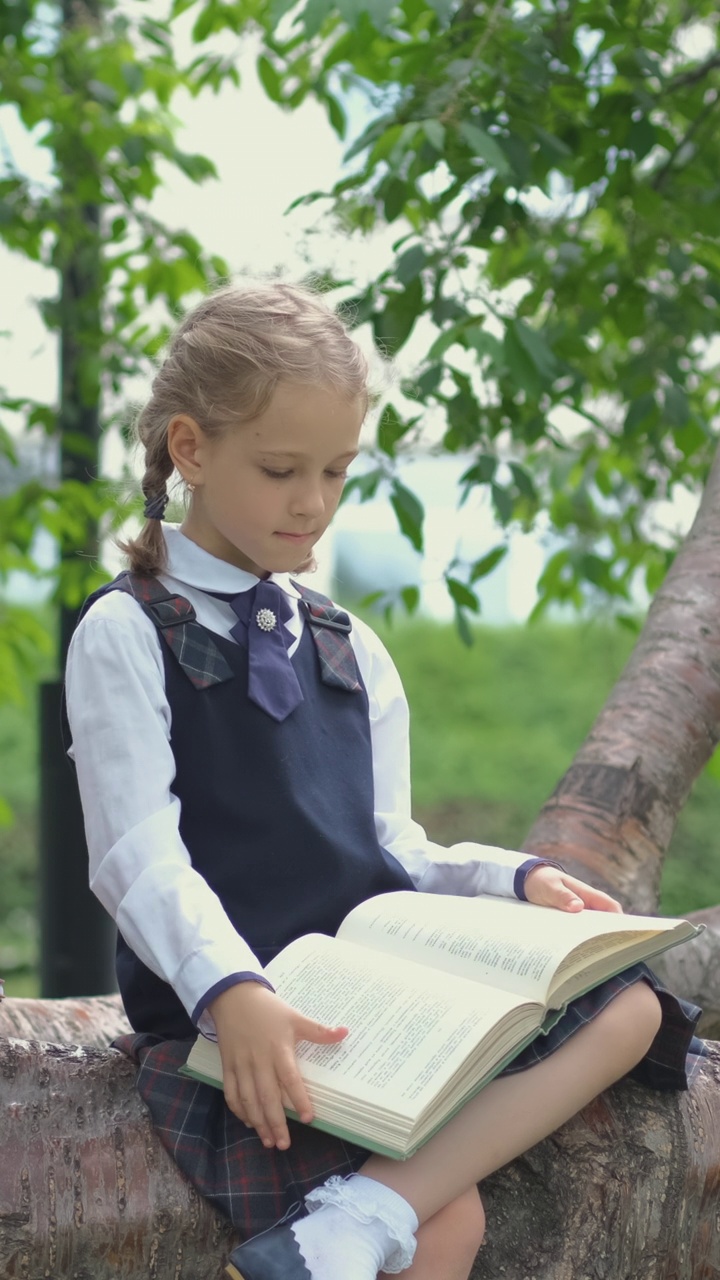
(511, 945)
(409, 1029)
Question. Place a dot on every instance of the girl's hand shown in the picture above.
(257, 1033)
(550, 887)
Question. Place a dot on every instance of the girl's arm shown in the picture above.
(139, 867)
(468, 868)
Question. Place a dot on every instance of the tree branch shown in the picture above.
(692, 77)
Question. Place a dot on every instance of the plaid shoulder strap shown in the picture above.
(330, 628)
(175, 619)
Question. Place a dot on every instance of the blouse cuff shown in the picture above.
(524, 870)
(202, 1019)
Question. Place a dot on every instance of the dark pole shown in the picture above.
(77, 937)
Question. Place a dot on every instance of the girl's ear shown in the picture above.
(184, 442)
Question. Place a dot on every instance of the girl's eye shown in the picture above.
(338, 475)
(276, 475)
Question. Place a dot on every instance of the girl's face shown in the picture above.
(266, 491)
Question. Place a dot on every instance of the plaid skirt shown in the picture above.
(255, 1186)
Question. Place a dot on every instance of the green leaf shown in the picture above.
(485, 146)
(411, 263)
(365, 485)
(520, 364)
(395, 193)
(435, 134)
(205, 22)
(462, 595)
(481, 472)
(485, 565)
(483, 343)
(502, 502)
(690, 438)
(278, 9)
(641, 137)
(410, 513)
(269, 79)
(536, 347)
(676, 406)
(523, 481)
(393, 326)
(638, 413)
(391, 429)
(463, 627)
(411, 598)
(336, 114)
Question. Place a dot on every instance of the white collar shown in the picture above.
(190, 564)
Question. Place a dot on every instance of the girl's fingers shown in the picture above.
(603, 902)
(567, 900)
(267, 1117)
(295, 1093)
(273, 1129)
(549, 887)
(317, 1032)
(595, 899)
(243, 1100)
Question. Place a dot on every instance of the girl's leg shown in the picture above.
(447, 1243)
(369, 1221)
(514, 1112)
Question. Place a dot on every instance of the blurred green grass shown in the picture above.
(493, 728)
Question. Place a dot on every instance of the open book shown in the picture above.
(439, 993)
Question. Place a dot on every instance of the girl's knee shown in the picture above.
(637, 1014)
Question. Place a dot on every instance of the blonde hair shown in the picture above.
(223, 365)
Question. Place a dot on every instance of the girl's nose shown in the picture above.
(308, 500)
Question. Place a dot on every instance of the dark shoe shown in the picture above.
(272, 1256)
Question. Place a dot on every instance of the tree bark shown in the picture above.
(86, 1189)
(694, 971)
(627, 1190)
(611, 817)
(92, 1022)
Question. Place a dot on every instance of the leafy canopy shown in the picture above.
(553, 171)
(93, 88)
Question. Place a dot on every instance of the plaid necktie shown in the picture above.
(262, 614)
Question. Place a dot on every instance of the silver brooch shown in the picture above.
(266, 619)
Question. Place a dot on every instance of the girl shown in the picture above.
(241, 748)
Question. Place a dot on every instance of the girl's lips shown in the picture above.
(294, 537)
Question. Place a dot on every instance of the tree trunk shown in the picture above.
(628, 1190)
(694, 971)
(93, 1022)
(611, 818)
(86, 1189)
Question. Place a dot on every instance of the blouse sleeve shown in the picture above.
(467, 868)
(140, 868)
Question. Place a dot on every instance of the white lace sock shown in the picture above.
(356, 1227)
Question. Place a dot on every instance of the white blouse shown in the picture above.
(120, 718)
